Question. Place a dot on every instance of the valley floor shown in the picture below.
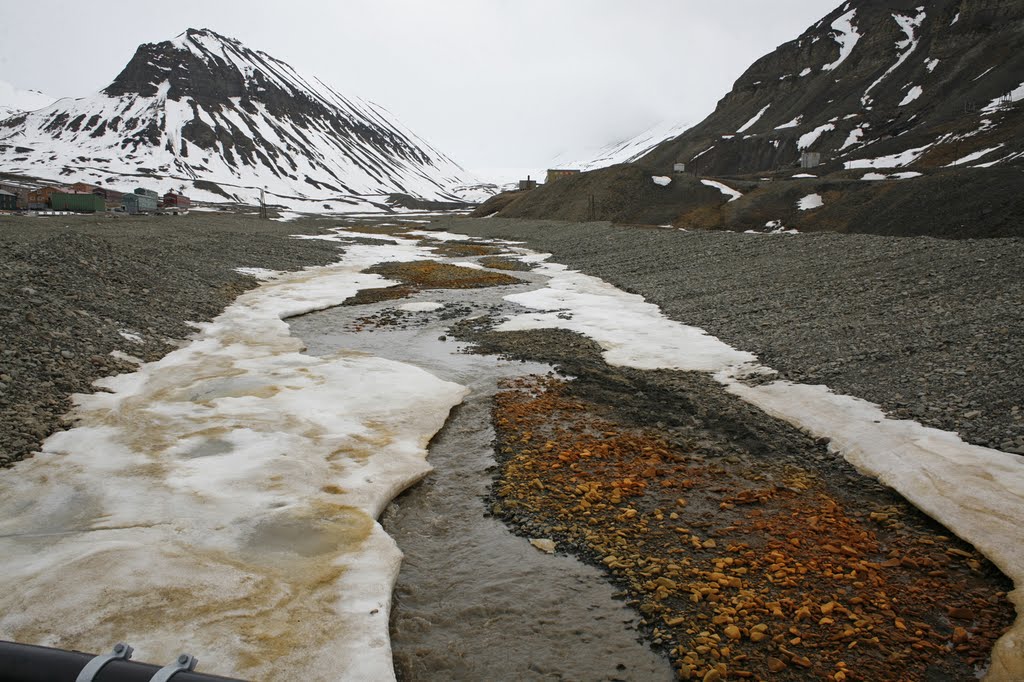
(687, 484)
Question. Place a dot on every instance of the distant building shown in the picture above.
(527, 184)
(136, 203)
(82, 188)
(39, 199)
(8, 201)
(20, 189)
(679, 168)
(147, 192)
(810, 159)
(176, 202)
(557, 173)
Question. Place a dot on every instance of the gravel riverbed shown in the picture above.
(76, 288)
(928, 328)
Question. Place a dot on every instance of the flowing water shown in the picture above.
(473, 601)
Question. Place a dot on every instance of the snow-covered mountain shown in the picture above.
(205, 114)
(874, 85)
(15, 101)
(624, 151)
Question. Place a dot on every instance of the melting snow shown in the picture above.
(983, 73)
(235, 483)
(702, 153)
(807, 139)
(421, 306)
(931, 64)
(914, 93)
(724, 189)
(804, 175)
(258, 273)
(974, 156)
(805, 72)
(792, 124)
(906, 46)
(809, 202)
(1015, 95)
(847, 38)
(853, 138)
(662, 180)
(891, 161)
(753, 120)
(130, 335)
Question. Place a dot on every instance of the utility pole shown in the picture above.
(263, 204)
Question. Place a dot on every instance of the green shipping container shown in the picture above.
(82, 203)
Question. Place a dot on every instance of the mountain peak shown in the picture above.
(206, 107)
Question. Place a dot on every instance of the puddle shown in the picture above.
(472, 600)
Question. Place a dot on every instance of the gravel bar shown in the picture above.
(927, 328)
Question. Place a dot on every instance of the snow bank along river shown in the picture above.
(223, 500)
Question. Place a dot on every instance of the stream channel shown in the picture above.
(473, 601)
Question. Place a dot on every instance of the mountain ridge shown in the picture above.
(222, 121)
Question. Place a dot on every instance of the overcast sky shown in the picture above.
(492, 83)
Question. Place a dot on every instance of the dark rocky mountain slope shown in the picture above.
(891, 83)
(916, 110)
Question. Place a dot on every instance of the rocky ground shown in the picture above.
(749, 551)
(746, 547)
(927, 328)
(76, 288)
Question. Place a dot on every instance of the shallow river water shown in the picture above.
(473, 601)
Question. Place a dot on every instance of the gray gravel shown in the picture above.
(70, 284)
(930, 329)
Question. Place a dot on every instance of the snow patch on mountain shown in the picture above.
(807, 139)
(724, 189)
(754, 120)
(905, 47)
(845, 33)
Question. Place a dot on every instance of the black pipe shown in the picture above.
(29, 663)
